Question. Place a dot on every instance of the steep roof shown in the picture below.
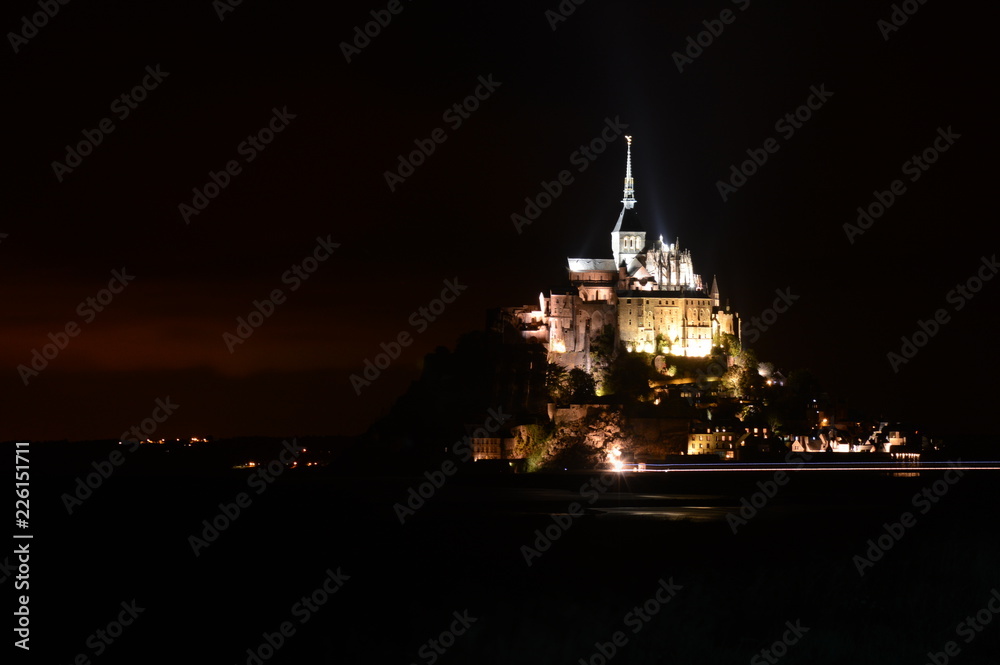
(628, 221)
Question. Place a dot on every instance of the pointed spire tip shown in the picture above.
(629, 195)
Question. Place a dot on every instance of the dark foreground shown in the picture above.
(651, 561)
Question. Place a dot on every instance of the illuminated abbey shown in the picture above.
(648, 292)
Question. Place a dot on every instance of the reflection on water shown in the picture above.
(692, 513)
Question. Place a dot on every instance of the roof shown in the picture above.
(638, 270)
(628, 221)
(663, 293)
(581, 265)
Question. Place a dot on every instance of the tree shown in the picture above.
(663, 344)
(580, 385)
(557, 383)
(602, 352)
(629, 377)
(731, 345)
(743, 378)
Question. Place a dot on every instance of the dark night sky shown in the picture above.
(323, 175)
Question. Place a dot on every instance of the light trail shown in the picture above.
(817, 466)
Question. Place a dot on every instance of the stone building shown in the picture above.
(648, 292)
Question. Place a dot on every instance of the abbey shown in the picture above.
(648, 292)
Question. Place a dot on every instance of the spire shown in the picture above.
(629, 198)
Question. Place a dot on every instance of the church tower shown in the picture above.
(628, 237)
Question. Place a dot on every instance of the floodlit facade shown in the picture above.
(648, 292)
